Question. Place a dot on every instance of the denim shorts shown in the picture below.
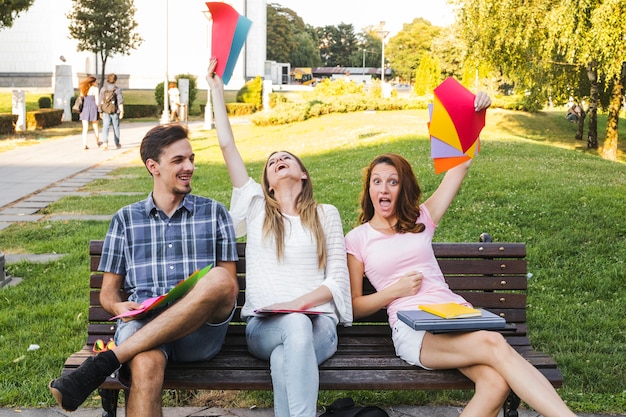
(202, 344)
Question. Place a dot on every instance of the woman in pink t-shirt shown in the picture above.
(393, 247)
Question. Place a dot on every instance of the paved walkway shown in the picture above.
(31, 177)
(443, 411)
(34, 176)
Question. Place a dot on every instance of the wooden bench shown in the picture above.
(489, 275)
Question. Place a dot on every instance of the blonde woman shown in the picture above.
(296, 260)
(89, 113)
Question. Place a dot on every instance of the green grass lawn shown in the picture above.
(531, 183)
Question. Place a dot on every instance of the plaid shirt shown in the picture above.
(155, 252)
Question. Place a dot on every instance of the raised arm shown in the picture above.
(236, 168)
(441, 199)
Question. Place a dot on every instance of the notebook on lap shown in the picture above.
(421, 320)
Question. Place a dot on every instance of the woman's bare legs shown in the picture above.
(85, 130)
(490, 392)
(96, 132)
(465, 350)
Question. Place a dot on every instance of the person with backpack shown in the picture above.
(112, 110)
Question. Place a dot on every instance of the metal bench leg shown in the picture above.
(109, 401)
(510, 405)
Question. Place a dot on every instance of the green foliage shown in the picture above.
(43, 118)
(159, 93)
(45, 102)
(10, 10)
(307, 53)
(337, 44)
(338, 96)
(405, 50)
(104, 28)
(240, 109)
(252, 93)
(427, 75)
(135, 111)
(7, 123)
(282, 24)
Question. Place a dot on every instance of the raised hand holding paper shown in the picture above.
(454, 125)
(228, 35)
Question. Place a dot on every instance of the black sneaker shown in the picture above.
(72, 390)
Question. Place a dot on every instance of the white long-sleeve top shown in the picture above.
(269, 280)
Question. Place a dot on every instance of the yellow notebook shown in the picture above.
(450, 310)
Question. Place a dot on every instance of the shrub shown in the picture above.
(252, 93)
(45, 102)
(339, 96)
(7, 123)
(134, 111)
(43, 118)
(193, 90)
(240, 109)
(158, 94)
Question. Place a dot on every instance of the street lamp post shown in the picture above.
(363, 71)
(208, 109)
(165, 117)
(383, 34)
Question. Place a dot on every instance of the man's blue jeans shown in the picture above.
(108, 120)
(295, 344)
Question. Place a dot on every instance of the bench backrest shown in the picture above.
(488, 275)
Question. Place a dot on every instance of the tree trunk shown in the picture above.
(581, 124)
(609, 148)
(592, 135)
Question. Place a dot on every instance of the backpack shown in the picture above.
(109, 101)
(345, 407)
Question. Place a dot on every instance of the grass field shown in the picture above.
(531, 183)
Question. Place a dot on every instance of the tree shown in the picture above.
(10, 10)
(307, 53)
(405, 50)
(280, 41)
(289, 39)
(104, 28)
(427, 75)
(369, 49)
(608, 29)
(545, 45)
(449, 51)
(337, 44)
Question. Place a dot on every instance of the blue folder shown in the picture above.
(421, 320)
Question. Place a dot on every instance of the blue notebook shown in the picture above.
(421, 320)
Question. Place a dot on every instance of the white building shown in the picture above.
(176, 42)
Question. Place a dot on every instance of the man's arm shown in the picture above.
(230, 266)
(111, 296)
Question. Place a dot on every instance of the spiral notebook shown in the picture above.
(421, 320)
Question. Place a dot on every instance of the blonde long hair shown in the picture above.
(274, 223)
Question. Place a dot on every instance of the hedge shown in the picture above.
(7, 123)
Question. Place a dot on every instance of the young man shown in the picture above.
(111, 111)
(150, 246)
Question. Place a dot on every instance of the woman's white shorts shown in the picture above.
(408, 343)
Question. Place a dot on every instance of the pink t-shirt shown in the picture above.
(388, 257)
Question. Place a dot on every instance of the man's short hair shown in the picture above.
(111, 78)
(160, 137)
